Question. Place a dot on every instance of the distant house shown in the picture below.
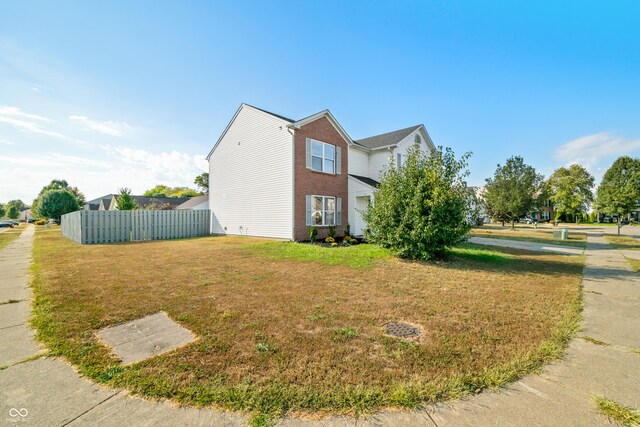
(195, 203)
(272, 176)
(545, 212)
(110, 203)
(26, 215)
(95, 204)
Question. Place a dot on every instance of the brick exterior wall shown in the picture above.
(309, 182)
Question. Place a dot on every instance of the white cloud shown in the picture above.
(106, 127)
(30, 122)
(17, 112)
(5, 142)
(590, 149)
(104, 172)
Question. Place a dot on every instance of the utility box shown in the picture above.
(561, 234)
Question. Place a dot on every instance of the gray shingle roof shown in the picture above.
(273, 114)
(193, 201)
(385, 139)
(366, 180)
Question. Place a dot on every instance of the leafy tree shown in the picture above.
(202, 182)
(18, 204)
(13, 212)
(421, 208)
(59, 184)
(187, 192)
(78, 194)
(166, 191)
(158, 191)
(513, 191)
(124, 201)
(619, 191)
(55, 203)
(570, 190)
(2, 210)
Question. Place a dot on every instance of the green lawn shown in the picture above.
(10, 235)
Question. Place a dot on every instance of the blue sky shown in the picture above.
(131, 94)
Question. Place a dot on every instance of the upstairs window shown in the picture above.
(323, 157)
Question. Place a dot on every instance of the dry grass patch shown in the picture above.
(627, 243)
(10, 235)
(623, 242)
(285, 330)
(530, 235)
(621, 414)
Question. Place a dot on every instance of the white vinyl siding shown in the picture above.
(251, 177)
(358, 162)
(357, 191)
(378, 159)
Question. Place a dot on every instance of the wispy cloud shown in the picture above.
(590, 149)
(28, 122)
(172, 165)
(106, 127)
(17, 112)
(5, 142)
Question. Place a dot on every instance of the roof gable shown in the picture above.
(324, 113)
(243, 105)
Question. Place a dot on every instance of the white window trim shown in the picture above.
(324, 213)
(335, 153)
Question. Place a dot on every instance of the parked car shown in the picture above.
(6, 224)
(54, 221)
(526, 220)
(31, 220)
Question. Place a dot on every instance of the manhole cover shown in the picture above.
(402, 330)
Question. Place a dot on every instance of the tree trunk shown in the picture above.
(513, 224)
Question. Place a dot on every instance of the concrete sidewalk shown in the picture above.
(529, 246)
(48, 392)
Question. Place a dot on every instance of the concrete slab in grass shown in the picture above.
(145, 337)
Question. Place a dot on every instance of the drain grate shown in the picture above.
(402, 330)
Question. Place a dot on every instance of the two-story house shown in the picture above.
(272, 176)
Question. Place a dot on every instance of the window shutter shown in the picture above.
(339, 211)
(338, 160)
(308, 206)
(308, 155)
(399, 162)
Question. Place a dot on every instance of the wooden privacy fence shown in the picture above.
(89, 227)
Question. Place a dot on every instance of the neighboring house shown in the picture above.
(272, 176)
(110, 203)
(150, 203)
(545, 212)
(195, 203)
(478, 212)
(94, 205)
(25, 215)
